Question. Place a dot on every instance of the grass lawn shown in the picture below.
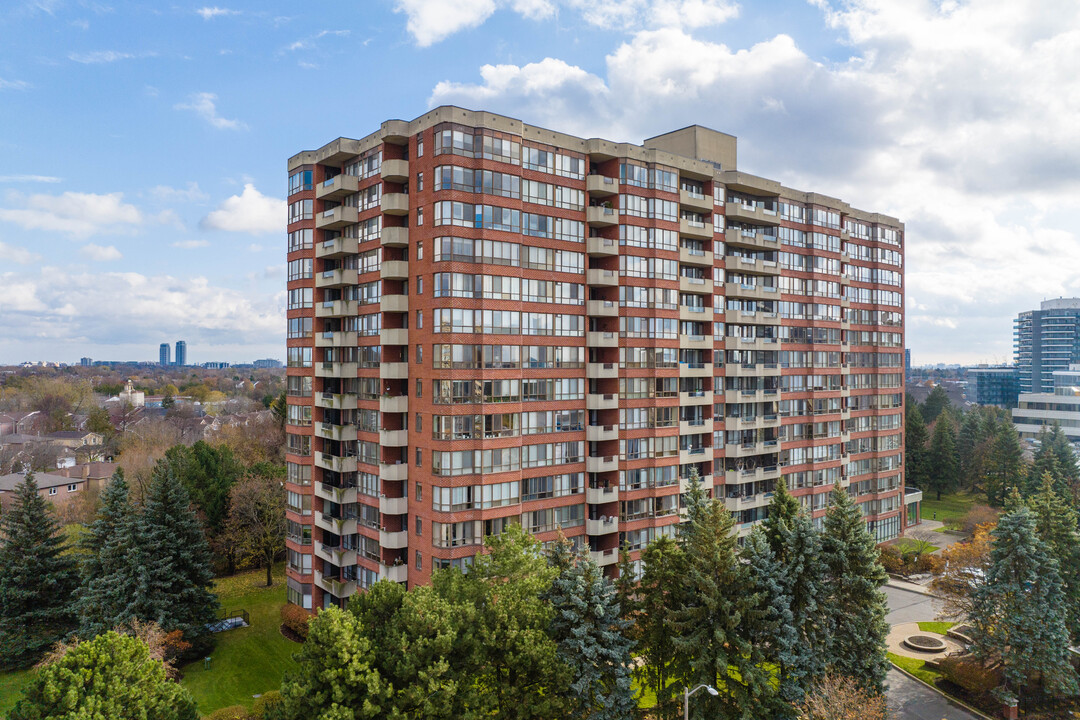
(936, 627)
(950, 509)
(915, 667)
(246, 661)
(11, 685)
(909, 545)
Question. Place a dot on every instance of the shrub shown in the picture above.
(233, 712)
(969, 673)
(267, 706)
(891, 559)
(296, 619)
(929, 564)
(978, 515)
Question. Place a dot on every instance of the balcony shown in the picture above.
(602, 278)
(394, 506)
(696, 397)
(338, 526)
(394, 404)
(756, 214)
(695, 455)
(393, 540)
(746, 396)
(748, 449)
(340, 433)
(335, 339)
(609, 463)
(757, 292)
(602, 526)
(695, 201)
(741, 263)
(336, 218)
(695, 314)
(393, 438)
(337, 588)
(595, 401)
(394, 370)
(395, 204)
(601, 216)
(393, 472)
(692, 427)
(601, 186)
(605, 557)
(394, 270)
(396, 171)
(747, 502)
(394, 336)
(341, 557)
(337, 187)
(601, 308)
(692, 257)
(394, 573)
(601, 495)
(601, 433)
(757, 240)
(753, 343)
(335, 463)
(394, 237)
(336, 308)
(752, 369)
(342, 277)
(335, 401)
(394, 303)
(338, 247)
(757, 474)
(601, 370)
(603, 247)
(695, 369)
(695, 342)
(335, 494)
(694, 285)
(335, 369)
(695, 229)
(601, 339)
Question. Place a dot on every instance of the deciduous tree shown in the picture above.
(256, 521)
(965, 567)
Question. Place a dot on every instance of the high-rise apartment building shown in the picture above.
(994, 385)
(164, 354)
(493, 323)
(181, 353)
(1046, 340)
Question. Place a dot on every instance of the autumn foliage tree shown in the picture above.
(836, 697)
(964, 571)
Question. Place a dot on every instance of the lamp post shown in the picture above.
(687, 692)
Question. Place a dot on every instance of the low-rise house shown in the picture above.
(57, 489)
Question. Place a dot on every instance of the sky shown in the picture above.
(143, 145)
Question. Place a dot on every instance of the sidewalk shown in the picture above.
(909, 586)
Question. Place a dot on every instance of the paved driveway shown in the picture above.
(907, 606)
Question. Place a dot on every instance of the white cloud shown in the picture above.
(957, 118)
(192, 193)
(13, 84)
(29, 179)
(99, 57)
(430, 21)
(209, 13)
(310, 42)
(73, 213)
(99, 253)
(630, 14)
(249, 212)
(191, 244)
(18, 255)
(204, 105)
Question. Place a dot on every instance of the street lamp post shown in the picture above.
(687, 692)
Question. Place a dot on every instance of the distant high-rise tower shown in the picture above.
(163, 354)
(181, 353)
(86, 362)
(1046, 340)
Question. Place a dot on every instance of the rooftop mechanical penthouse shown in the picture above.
(494, 323)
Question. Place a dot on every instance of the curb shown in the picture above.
(900, 584)
(948, 698)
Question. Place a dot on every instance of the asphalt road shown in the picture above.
(908, 699)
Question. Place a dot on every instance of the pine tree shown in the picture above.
(783, 509)
(943, 464)
(1045, 463)
(1056, 526)
(659, 596)
(37, 579)
(106, 586)
(936, 403)
(804, 572)
(1067, 483)
(915, 438)
(971, 436)
(1018, 614)
(591, 637)
(172, 563)
(770, 626)
(854, 602)
(1004, 465)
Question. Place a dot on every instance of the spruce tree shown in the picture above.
(106, 586)
(770, 627)
(591, 637)
(915, 438)
(943, 464)
(1018, 614)
(1004, 467)
(1056, 526)
(968, 440)
(783, 509)
(1067, 483)
(854, 602)
(659, 596)
(936, 403)
(172, 563)
(804, 572)
(37, 579)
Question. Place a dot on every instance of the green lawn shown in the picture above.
(908, 545)
(940, 628)
(950, 509)
(11, 685)
(246, 661)
(915, 667)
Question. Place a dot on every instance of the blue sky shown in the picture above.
(143, 145)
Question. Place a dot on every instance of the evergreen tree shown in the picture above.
(709, 626)
(659, 596)
(37, 579)
(591, 637)
(805, 574)
(1067, 481)
(1056, 526)
(1003, 467)
(1046, 463)
(968, 441)
(1018, 615)
(172, 563)
(915, 438)
(943, 464)
(937, 402)
(626, 588)
(106, 584)
(783, 509)
(770, 625)
(854, 602)
(207, 473)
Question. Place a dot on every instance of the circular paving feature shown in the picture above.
(924, 643)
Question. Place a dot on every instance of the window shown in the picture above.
(301, 210)
(419, 388)
(419, 319)
(300, 181)
(419, 526)
(420, 216)
(419, 251)
(420, 179)
(52, 491)
(419, 462)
